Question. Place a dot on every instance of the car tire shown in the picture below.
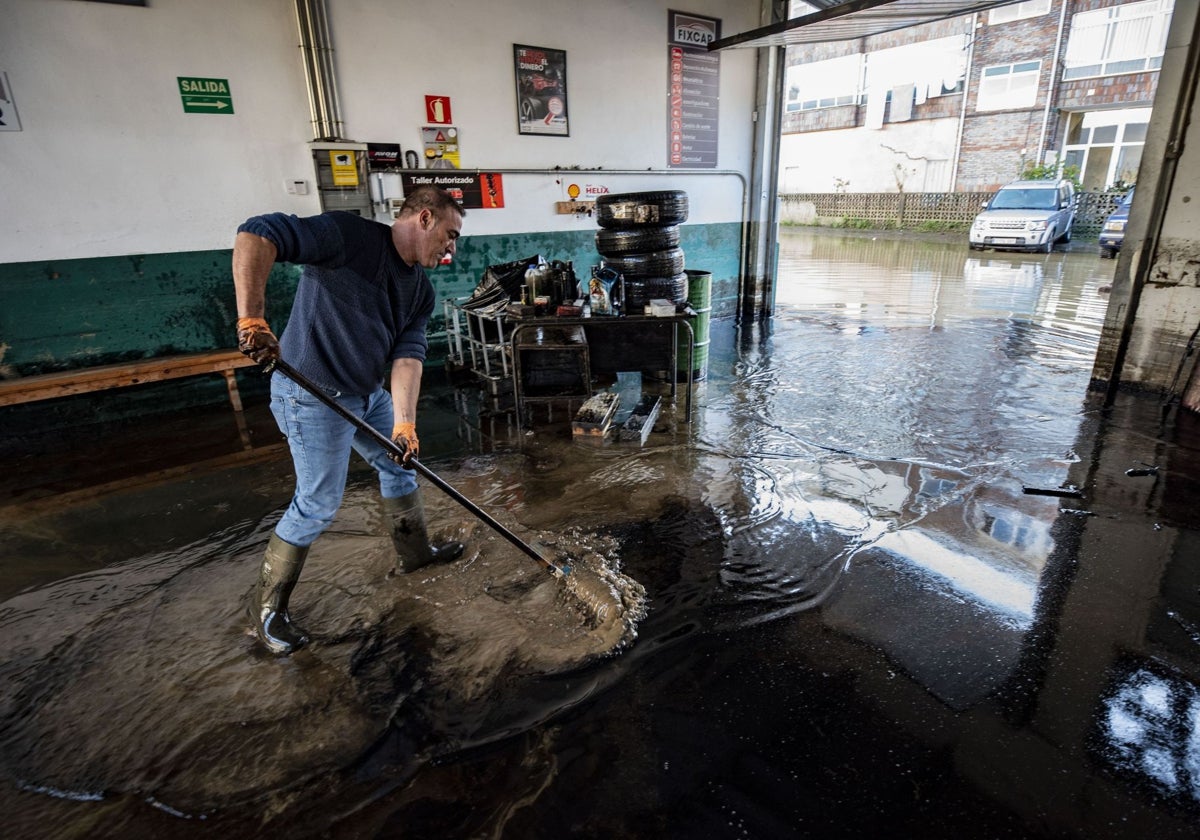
(1108, 253)
(1048, 246)
(615, 243)
(531, 109)
(642, 290)
(622, 211)
(667, 263)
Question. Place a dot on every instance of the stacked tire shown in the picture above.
(639, 237)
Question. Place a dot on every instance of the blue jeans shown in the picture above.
(320, 442)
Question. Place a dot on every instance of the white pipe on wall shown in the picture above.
(312, 21)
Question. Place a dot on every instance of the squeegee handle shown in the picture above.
(388, 444)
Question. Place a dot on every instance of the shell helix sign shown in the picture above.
(205, 96)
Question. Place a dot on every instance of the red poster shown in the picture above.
(473, 190)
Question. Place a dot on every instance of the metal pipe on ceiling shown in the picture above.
(328, 73)
(312, 23)
(310, 81)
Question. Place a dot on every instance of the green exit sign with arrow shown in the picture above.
(205, 96)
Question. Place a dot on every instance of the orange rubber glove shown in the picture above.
(256, 340)
(404, 435)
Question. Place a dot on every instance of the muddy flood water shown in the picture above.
(902, 576)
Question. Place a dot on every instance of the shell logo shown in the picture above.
(573, 191)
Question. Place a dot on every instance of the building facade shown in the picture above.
(969, 103)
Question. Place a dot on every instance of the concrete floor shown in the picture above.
(956, 597)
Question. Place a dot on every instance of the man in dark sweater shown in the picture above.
(360, 313)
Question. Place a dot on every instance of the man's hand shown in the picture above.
(404, 435)
(256, 340)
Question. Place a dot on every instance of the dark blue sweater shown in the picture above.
(358, 305)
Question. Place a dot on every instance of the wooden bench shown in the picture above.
(48, 386)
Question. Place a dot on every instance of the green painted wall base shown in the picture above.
(68, 314)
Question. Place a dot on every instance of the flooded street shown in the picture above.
(904, 576)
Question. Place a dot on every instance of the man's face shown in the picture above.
(441, 236)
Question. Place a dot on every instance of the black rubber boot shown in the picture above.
(406, 517)
(280, 570)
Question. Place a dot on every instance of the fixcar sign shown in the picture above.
(689, 30)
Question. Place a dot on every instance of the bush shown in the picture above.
(866, 224)
(1051, 172)
(939, 226)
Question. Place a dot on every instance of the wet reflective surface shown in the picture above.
(905, 577)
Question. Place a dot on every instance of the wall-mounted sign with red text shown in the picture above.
(693, 91)
(473, 190)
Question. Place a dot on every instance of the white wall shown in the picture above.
(867, 158)
(108, 163)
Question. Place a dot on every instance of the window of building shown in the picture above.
(824, 84)
(937, 67)
(937, 176)
(1004, 86)
(925, 69)
(1018, 11)
(1118, 39)
(1106, 146)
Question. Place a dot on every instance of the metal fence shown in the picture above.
(922, 211)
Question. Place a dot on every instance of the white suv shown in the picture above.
(1026, 216)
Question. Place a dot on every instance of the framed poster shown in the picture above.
(541, 90)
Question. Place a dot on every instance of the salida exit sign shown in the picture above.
(205, 96)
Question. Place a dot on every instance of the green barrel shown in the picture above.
(700, 299)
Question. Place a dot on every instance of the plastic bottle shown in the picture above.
(531, 282)
(571, 283)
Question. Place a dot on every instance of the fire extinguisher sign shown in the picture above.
(437, 110)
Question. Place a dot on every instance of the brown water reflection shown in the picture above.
(908, 394)
(860, 623)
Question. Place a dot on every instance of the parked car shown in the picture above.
(1026, 216)
(1113, 232)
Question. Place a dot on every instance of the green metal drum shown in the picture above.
(700, 299)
